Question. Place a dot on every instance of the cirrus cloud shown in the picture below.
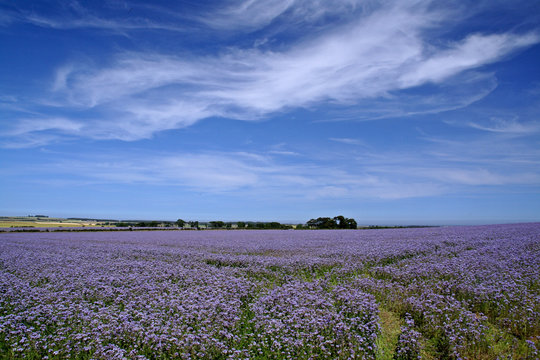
(379, 55)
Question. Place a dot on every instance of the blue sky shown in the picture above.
(400, 112)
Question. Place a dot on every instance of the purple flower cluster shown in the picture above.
(305, 320)
(111, 301)
(269, 294)
(408, 347)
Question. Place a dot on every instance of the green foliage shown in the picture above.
(387, 340)
(338, 222)
(122, 224)
(217, 224)
(269, 225)
(147, 224)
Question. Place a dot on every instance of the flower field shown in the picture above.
(431, 293)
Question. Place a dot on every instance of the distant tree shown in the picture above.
(299, 227)
(217, 224)
(147, 224)
(338, 222)
(194, 224)
(273, 225)
(312, 223)
(322, 223)
(352, 224)
(180, 223)
(341, 222)
(241, 224)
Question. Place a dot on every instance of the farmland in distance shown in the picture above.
(431, 293)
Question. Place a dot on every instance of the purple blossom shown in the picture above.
(272, 294)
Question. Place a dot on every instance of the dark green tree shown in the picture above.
(217, 224)
(341, 222)
(322, 223)
(338, 222)
(352, 224)
(273, 225)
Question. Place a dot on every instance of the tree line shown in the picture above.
(337, 222)
(234, 225)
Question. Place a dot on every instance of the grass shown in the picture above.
(388, 338)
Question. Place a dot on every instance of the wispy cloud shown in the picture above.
(375, 56)
(36, 132)
(284, 152)
(440, 168)
(252, 174)
(30, 140)
(26, 126)
(456, 93)
(74, 15)
(473, 51)
(254, 15)
(247, 14)
(509, 127)
(349, 141)
(473, 176)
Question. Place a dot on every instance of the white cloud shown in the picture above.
(63, 125)
(38, 131)
(509, 127)
(368, 58)
(250, 174)
(72, 15)
(349, 141)
(29, 140)
(283, 152)
(254, 15)
(474, 51)
(209, 172)
(247, 14)
(381, 175)
(476, 176)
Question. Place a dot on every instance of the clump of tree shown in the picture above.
(241, 224)
(217, 224)
(268, 225)
(123, 224)
(337, 222)
(147, 224)
(247, 225)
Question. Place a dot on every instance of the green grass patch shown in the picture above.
(388, 338)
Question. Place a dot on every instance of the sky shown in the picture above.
(389, 112)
